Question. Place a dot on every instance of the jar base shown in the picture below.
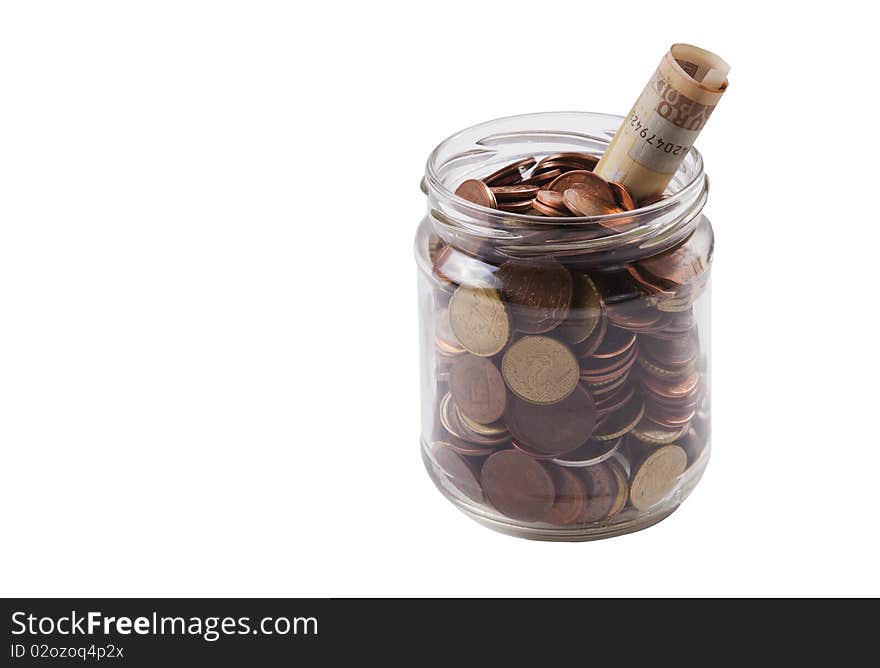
(628, 521)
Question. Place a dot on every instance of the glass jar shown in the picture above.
(564, 361)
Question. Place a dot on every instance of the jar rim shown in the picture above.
(478, 139)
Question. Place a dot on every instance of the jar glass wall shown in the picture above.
(564, 361)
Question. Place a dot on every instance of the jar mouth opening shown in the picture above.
(479, 149)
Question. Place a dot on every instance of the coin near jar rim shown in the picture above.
(509, 173)
(590, 453)
(652, 433)
(552, 429)
(571, 497)
(656, 476)
(474, 190)
(549, 211)
(538, 293)
(581, 203)
(464, 475)
(479, 320)
(514, 192)
(540, 369)
(601, 492)
(477, 388)
(586, 310)
(622, 196)
(591, 184)
(518, 486)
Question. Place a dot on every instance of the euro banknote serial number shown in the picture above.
(657, 142)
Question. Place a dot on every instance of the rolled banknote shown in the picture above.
(664, 122)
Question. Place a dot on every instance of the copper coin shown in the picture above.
(517, 206)
(539, 293)
(587, 160)
(545, 210)
(595, 367)
(623, 196)
(616, 342)
(592, 184)
(601, 492)
(540, 369)
(518, 486)
(466, 442)
(674, 351)
(571, 497)
(581, 203)
(636, 316)
(508, 172)
(621, 421)
(514, 192)
(474, 190)
(543, 178)
(477, 388)
(615, 400)
(462, 473)
(552, 429)
(684, 263)
(675, 389)
(551, 198)
(656, 476)
(479, 320)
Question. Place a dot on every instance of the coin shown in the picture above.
(676, 388)
(551, 198)
(590, 453)
(479, 320)
(514, 192)
(616, 342)
(552, 429)
(477, 388)
(594, 340)
(652, 433)
(620, 422)
(538, 293)
(540, 369)
(516, 206)
(581, 203)
(518, 486)
(509, 173)
(622, 487)
(656, 476)
(545, 210)
(571, 497)
(462, 473)
(601, 492)
(586, 310)
(622, 196)
(543, 178)
(474, 190)
(593, 185)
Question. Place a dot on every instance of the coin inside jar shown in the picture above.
(586, 310)
(601, 492)
(540, 369)
(571, 497)
(479, 320)
(552, 429)
(518, 486)
(538, 293)
(477, 388)
(462, 473)
(474, 190)
(656, 476)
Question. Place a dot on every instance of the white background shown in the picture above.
(208, 348)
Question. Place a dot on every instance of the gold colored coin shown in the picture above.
(585, 312)
(622, 487)
(648, 431)
(540, 370)
(655, 478)
(479, 320)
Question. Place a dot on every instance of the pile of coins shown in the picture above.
(558, 185)
(565, 397)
